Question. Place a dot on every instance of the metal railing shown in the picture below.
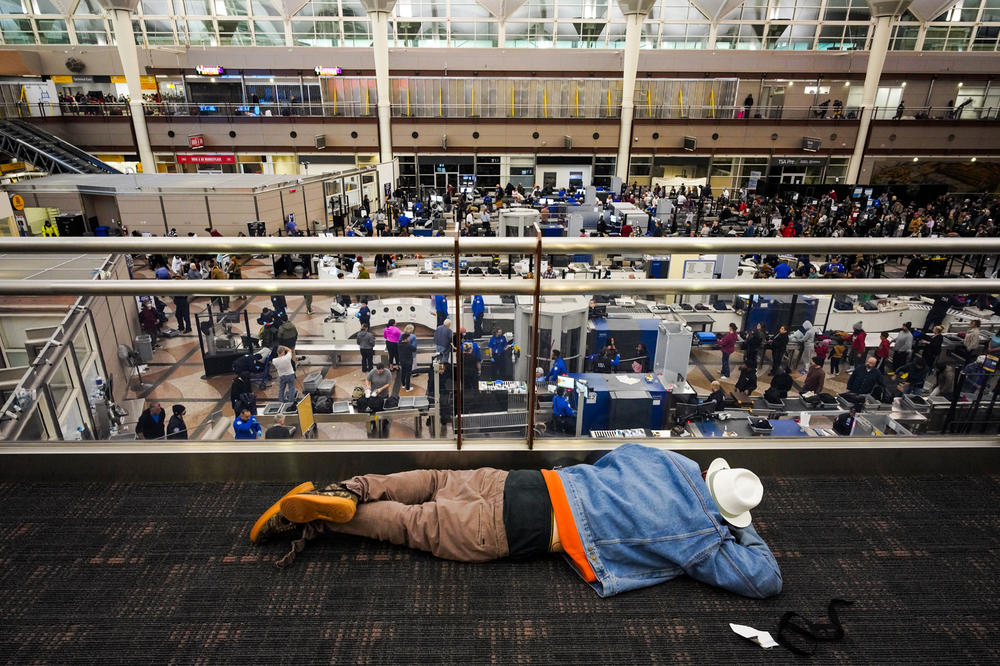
(536, 287)
(498, 110)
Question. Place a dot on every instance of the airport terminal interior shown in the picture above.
(248, 244)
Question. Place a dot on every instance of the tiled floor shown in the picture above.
(178, 375)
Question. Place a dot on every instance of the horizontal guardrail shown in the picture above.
(475, 285)
(498, 245)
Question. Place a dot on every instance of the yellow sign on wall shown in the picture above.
(62, 79)
(17, 202)
(145, 82)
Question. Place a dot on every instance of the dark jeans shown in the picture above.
(835, 365)
(477, 330)
(183, 318)
(725, 364)
(405, 372)
(441, 316)
(367, 356)
(392, 348)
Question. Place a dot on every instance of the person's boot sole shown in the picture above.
(274, 509)
(306, 508)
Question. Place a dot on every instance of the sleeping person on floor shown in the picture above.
(637, 517)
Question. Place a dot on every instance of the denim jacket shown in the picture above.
(645, 516)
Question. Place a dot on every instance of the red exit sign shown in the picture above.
(196, 141)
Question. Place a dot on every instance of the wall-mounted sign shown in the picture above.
(785, 162)
(145, 82)
(196, 141)
(327, 71)
(17, 202)
(206, 70)
(206, 159)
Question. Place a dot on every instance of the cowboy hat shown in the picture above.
(735, 491)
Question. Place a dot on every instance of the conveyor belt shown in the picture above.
(156, 573)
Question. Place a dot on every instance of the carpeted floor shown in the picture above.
(165, 573)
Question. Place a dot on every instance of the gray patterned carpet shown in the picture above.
(165, 573)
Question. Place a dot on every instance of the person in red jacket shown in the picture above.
(728, 345)
(857, 342)
(882, 351)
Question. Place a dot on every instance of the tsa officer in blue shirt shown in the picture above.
(498, 348)
(478, 312)
(562, 413)
(558, 366)
(441, 308)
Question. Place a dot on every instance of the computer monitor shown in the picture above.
(565, 382)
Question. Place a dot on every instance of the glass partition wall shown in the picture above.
(559, 339)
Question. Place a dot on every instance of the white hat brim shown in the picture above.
(740, 520)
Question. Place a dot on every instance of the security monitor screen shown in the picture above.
(565, 382)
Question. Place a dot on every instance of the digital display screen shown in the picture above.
(565, 382)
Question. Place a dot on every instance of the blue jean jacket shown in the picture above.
(646, 516)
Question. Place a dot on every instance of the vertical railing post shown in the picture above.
(532, 384)
(458, 352)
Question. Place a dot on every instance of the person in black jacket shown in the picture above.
(843, 425)
(781, 384)
(747, 383)
(176, 428)
(182, 310)
(152, 422)
(779, 343)
(865, 378)
(241, 395)
(933, 347)
(754, 346)
(442, 376)
(718, 396)
(406, 352)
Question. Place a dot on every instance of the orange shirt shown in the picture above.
(568, 535)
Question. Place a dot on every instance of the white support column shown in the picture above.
(884, 11)
(380, 46)
(121, 20)
(633, 30)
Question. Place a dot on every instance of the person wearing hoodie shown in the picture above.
(176, 428)
(808, 345)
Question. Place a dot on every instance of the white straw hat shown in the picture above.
(735, 491)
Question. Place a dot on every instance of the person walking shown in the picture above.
(182, 310)
(779, 343)
(307, 275)
(283, 364)
(366, 344)
(176, 428)
(391, 334)
(727, 345)
(152, 422)
(444, 341)
(441, 308)
(808, 343)
(882, 351)
(902, 346)
(478, 314)
(405, 362)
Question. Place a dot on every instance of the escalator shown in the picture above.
(27, 143)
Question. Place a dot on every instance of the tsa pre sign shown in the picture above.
(206, 159)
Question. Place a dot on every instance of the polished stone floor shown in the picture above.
(178, 375)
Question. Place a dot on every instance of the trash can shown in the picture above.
(144, 347)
